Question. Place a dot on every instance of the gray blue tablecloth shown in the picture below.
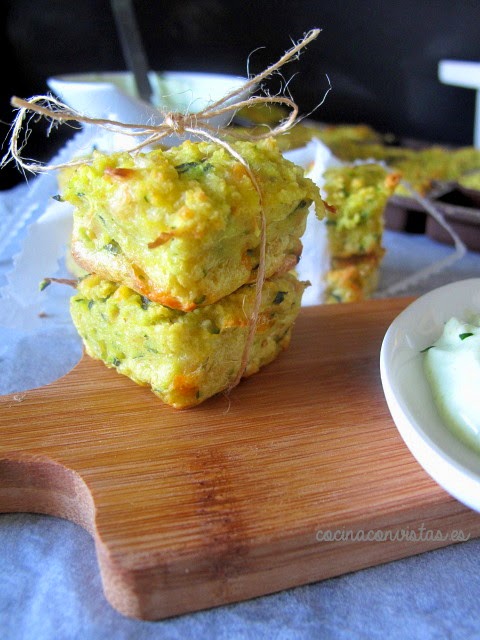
(49, 580)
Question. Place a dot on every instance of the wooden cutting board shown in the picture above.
(240, 496)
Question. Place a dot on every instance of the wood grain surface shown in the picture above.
(231, 499)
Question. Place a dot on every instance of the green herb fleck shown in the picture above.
(116, 362)
(279, 297)
(151, 349)
(44, 284)
(145, 302)
(200, 167)
(462, 336)
(113, 247)
(212, 327)
(58, 198)
(186, 166)
(90, 304)
(427, 348)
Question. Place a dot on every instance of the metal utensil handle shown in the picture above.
(132, 45)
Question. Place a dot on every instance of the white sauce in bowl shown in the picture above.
(452, 368)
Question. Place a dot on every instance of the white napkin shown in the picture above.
(44, 247)
(314, 263)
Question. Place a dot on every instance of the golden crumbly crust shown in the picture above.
(352, 279)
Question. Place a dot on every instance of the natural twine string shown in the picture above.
(176, 123)
(180, 124)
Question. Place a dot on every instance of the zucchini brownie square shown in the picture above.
(185, 357)
(182, 226)
(357, 196)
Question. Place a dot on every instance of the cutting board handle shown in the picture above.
(197, 508)
(32, 483)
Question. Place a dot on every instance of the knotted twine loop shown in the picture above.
(180, 124)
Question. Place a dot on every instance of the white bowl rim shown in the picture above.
(448, 461)
(95, 77)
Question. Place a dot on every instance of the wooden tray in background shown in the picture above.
(227, 501)
(459, 206)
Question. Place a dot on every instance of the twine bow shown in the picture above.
(196, 124)
(179, 123)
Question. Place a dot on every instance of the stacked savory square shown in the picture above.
(356, 197)
(171, 242)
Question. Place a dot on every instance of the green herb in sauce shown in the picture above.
(452, 369)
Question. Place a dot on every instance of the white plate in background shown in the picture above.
(113, 95)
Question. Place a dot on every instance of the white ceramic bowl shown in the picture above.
(445, 458)
(113, 95)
